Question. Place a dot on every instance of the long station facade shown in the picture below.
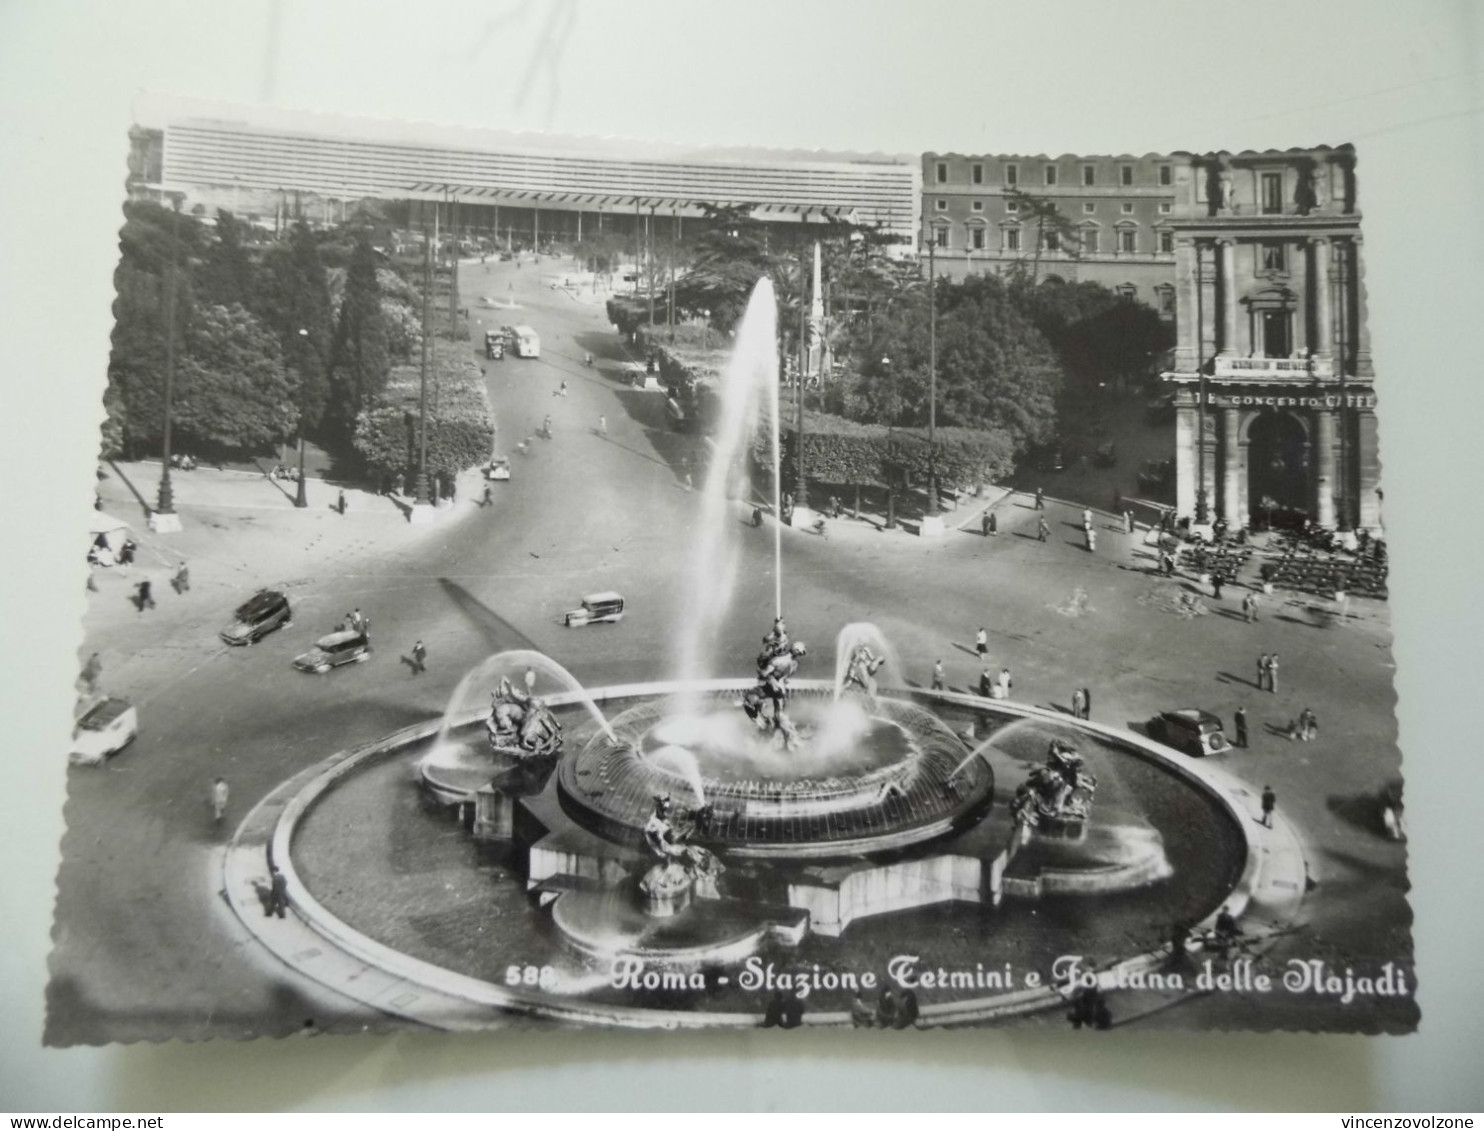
(1275, 402)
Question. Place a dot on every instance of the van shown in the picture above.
(527, 342)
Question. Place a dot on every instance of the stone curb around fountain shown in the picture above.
(1272, 885)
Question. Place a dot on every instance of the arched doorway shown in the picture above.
(1278, 473)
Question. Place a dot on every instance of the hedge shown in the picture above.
(461, 429)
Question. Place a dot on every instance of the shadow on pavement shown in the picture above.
(497, 631)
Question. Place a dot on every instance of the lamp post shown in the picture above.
(164, 520)
(891, 431)
(301, 497)
(932, 522)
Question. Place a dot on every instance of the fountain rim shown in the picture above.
(1261, 881)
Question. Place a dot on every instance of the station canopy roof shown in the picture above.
(622, 203)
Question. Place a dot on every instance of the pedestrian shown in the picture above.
(986, 684)
(1077, 703)
(1273, 673)
(1004, 683)
(1262, 671)
(1269, 803)
(984, 524)
(219, 794)
(87, 681)
(757, 517)
(530, 678)
(993, 524)
(1216, 585)
(340, 502)
(1092, 540)
(143, 596)
(181, 582)
(1239, 721)
(1086, 518)
(1040, 499)
(1128, 522)
(981, 643)
(126, 552)
(939, 680)
(278, 893)
(1087, 702)
(1249, 607)
(603, 427)
(1308, 725)
(1043, 531)
(489, 499)
(419, 658)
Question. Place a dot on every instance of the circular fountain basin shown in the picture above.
(866, 777)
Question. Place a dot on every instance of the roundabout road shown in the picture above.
(144, 941)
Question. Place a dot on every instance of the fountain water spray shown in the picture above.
(751, 371)
(851, 637)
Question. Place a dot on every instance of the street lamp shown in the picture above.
(301, 498)
(891, 426)
(164, 520)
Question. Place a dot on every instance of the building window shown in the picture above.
(1051, 174)
(976, 238)
(942, 172)
(1089, 207)
(1127, 291)
(1125, 175)
(1052, 241)
(1167, 243)
(1089, 175)
(1012, 206)
(1165, 297)
(1128, 240)
(1012, 174)
(1165, 208)
(977, 172)
(940, 236)
(1272, 194)
(977, 206)
(1273, 256)
(1128, 208)
(1012, 239)
(1090, 241)
(941, 205)
(1166, 175)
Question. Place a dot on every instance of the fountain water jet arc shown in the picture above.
(853, 636)
(751, 371)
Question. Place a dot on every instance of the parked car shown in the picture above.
(494, 345)
(596, 608)
(498, 469)
(1190, 729)
(104, 729)
(347, 647)
(259, 615)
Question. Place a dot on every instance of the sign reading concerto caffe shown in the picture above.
(1258, 400)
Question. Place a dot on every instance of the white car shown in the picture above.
(104, 729)
(498, 469)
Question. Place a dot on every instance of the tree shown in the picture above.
(136, 365)
(226, 274)
(360, 358)
(1050, 224)
(232, 390)
(298, 299)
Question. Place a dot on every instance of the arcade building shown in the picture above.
(1274, 399)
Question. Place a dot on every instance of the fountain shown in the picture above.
(711, 818)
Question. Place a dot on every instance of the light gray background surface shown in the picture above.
(1401, 81)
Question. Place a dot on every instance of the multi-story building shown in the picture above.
(1275, 406)
(531, 187)
(1117, 213)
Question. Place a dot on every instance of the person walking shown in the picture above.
(1087, 702)
(181, 582)
(87, 681)
(939, 680)
(981, 643)
(1239, 721)
(1249, 607)
(1078, 705)
(984, 524)
(143, 596)
(1216, 585)
(1262, 671)
(1128, 522)
(1308, 725)
(603, 427)
(993, 524)
(1004, 683)
(1269, 803)
(986, 684)
(419, 658)
(1086, 518)
(489, 499)
(1273, 673)
(278, 893)
(340, 502)
(1092, 540)
(219, 794)
(1040, 499)
(1043, 531)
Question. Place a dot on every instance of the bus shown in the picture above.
(527, 342)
